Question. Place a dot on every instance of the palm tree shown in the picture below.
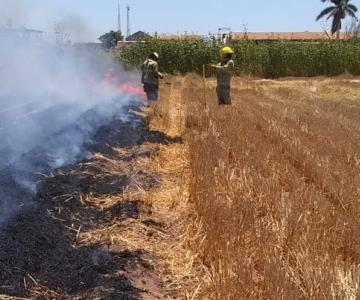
(338, 12)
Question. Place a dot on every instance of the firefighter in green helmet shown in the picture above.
(150, 76)
(225, 70)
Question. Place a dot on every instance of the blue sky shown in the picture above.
(94, 17)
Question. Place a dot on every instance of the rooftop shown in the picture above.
(286, 36)
(22, 29)
(264, 36)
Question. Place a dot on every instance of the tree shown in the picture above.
(338, 12)
(110, 39)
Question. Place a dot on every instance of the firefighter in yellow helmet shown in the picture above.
(150, 76)
(225, 70)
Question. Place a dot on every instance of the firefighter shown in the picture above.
(225, 70)
(150, 77)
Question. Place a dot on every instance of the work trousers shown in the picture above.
(152, 91)
(223, 92)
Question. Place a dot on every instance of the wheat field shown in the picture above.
(276, 184)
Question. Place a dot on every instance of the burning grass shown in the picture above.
(275, 183)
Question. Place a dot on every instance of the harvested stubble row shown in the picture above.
(276, 182)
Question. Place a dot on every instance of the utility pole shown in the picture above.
(128, 31)
(119, 17)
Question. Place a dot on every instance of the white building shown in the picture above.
(21, 34)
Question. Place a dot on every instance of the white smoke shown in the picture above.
(45, 92)
(13, 13)
(77, 27)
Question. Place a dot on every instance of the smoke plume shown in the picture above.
(77, 27)
(52, 101)
(12, 13)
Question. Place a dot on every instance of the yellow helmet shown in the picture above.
(155, 54)
(226, 50)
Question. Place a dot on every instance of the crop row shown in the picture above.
(262, 59)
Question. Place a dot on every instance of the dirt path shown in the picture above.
(114, 226)
(170, 199)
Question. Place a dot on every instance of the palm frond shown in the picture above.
(338, 12)
(332, 14)
(336, 24)
(352, 7)
(351, 14)
(325, 12)
(336, 2)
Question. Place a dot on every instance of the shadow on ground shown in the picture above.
(125, 135)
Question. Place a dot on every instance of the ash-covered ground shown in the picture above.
(42, 255)
(55, 146)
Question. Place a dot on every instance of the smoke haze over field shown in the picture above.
(77, 27)
(13, 10)
(52, 101)
(19, 13)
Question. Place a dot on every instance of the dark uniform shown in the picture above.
(150, 79)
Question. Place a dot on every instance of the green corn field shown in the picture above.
(261, 59)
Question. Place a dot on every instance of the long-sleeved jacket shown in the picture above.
(150, 72)
(225, 71)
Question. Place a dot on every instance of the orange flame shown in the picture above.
(112, 81)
